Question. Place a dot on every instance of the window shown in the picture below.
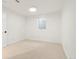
(41, 23)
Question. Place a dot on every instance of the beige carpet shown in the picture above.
(27, 49)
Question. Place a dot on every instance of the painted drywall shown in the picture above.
(14, 26)
(68, 29)
(52, 33)
(4, 27)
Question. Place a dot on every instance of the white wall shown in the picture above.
(15, 27)
(51, 34)
(4, 27)
(68, 28)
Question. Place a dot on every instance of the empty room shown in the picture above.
(38, 29)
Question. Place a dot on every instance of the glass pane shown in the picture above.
(42, 24)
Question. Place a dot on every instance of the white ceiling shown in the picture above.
(43, 6)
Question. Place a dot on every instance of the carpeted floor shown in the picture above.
(27, 49)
